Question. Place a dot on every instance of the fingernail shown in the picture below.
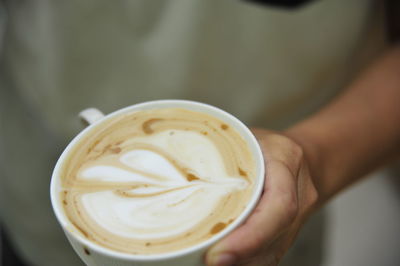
(225, 260)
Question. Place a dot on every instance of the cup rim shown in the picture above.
(190, 105)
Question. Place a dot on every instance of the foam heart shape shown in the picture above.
(161, 194)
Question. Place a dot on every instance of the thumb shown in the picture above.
(274, 213)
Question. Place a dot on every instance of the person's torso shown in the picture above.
(262, 64)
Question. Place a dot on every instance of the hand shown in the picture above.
(288, 198)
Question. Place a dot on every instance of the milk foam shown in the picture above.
(158, 181)
(155, 211)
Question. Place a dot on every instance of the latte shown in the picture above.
(156, 181)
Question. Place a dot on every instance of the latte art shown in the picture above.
(156, 181)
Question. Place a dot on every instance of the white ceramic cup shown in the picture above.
(94, 254)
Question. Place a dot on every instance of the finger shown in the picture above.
(265, 260)
(266, 256)
(275, 211)
(273, 254)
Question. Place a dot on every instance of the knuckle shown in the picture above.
(291, 153)
(296, 150)
(313, 197)
(295, 153)
(289, 207)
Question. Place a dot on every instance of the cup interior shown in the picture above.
(55, 189)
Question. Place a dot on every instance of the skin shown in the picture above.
(314, 160)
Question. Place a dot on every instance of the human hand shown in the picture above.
(288, 198)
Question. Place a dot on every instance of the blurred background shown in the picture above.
(270, 63)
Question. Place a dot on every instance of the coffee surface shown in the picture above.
(157, 181)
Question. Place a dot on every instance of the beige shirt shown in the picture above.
(269, 67)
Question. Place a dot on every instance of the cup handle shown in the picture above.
(90, 116)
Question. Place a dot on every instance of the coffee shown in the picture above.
(156, 181)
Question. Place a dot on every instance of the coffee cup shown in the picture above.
(156, 183)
